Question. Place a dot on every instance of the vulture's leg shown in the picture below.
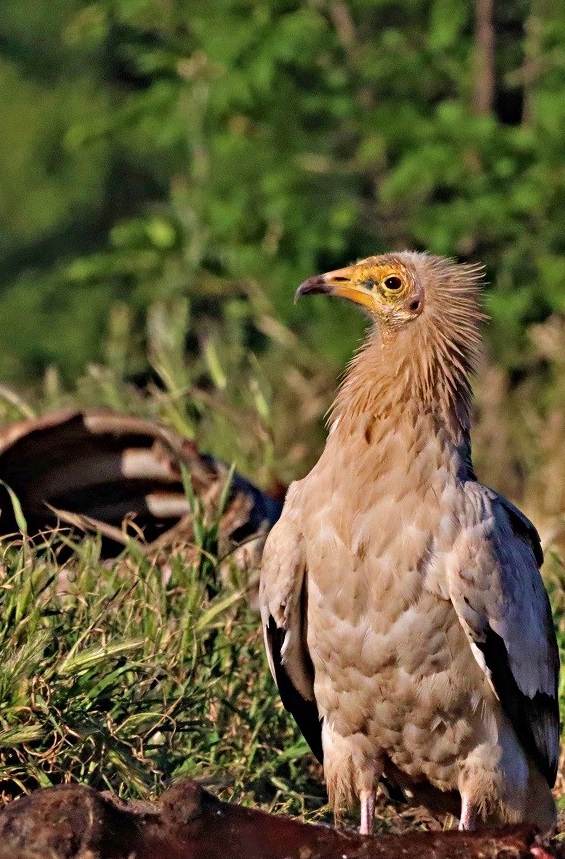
(368, 781)
(467, 820)
(367, 798)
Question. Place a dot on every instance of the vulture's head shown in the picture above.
(427, 324)
(397, 289)
(390, 288)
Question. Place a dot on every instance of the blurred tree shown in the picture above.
(225, 150)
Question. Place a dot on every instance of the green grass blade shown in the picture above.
(90, 657)
(17, 507)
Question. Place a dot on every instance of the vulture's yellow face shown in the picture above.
(384, 286)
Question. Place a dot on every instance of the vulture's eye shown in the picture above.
(393, 283)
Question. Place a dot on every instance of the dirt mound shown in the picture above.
(77, 822)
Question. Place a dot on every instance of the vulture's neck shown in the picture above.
(422, 369)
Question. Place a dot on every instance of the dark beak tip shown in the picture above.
(314, 284)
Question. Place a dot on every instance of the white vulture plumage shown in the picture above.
(406, 622)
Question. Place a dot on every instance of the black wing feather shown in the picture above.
(532, 718)
(305, 712)
(523, 712)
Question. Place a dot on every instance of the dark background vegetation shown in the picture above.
(157, 149)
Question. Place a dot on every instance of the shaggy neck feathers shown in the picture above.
(421, 366)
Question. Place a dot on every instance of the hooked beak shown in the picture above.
(343, 283)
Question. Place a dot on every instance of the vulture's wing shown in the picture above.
(499, 596)
(282, 598)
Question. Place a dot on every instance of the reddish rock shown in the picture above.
(76, 822)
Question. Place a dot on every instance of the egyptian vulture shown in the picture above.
(406, 623)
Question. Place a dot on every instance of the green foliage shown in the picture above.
(130, 674)
(226, 150)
